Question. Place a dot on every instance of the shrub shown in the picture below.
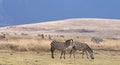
(96, 40)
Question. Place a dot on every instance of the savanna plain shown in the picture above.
(35, 50)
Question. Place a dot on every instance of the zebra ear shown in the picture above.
(71, 39)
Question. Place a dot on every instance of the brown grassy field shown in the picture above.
(44, 58)
(23, 50)
(36, 43)
(26, 46)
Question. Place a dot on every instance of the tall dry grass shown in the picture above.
(36, 43)
(107, 44)
(25, 43)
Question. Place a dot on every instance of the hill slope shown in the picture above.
(83, 27)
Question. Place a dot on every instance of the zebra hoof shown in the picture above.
(52, 57)
(92, 58)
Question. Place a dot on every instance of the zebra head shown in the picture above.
(91, 55)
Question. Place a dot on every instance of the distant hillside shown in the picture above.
(82, 27)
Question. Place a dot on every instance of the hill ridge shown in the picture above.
(83, 27)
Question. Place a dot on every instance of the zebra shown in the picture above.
(82, 47)
(61, 46)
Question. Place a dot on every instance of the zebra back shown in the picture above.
(58, 45)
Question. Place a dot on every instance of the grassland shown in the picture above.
(23, 50)
(44, 58)
(36, 43)
(24, 44)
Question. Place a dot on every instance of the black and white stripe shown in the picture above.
(82, 47)
(60, 46)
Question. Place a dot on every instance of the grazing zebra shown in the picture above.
(82, 47)
(61, 46)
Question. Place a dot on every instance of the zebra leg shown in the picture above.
(71, 51)
(61, 54)
(64, 54)
(74, 53)
(87, 54)
(52, 52)
(82, 54)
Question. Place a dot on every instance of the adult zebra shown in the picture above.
(61, 46)
(82, 47)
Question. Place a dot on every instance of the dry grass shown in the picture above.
(44, 58)
(30, 44)
(36, 43)
(107, 44)
(25, 43)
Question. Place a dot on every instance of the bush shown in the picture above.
(9, 46)
(96, 40)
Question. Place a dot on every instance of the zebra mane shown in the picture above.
(89, 49)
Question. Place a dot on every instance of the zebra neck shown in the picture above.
(66, 45)
(90, 51)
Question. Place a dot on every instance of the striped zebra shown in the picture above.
(61, 46)
(82, 47)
